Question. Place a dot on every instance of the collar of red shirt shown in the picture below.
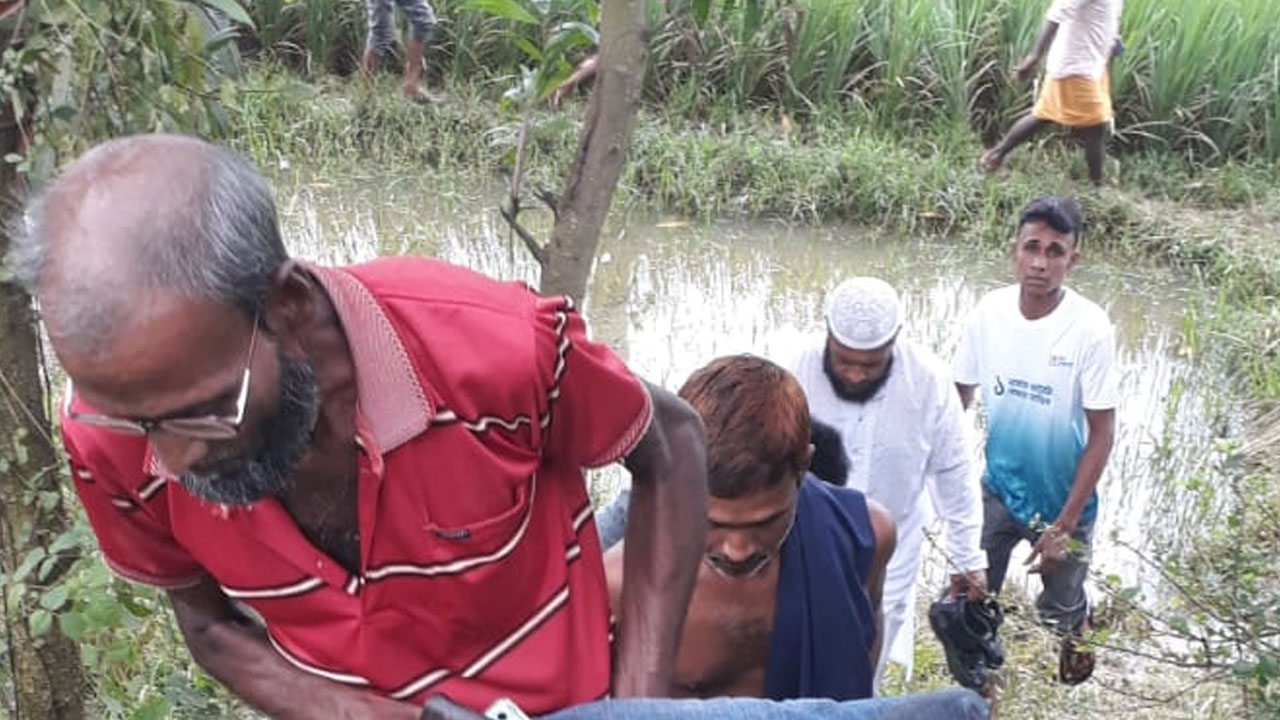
(392, 402)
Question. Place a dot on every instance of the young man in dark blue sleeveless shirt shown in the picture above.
(787, 600)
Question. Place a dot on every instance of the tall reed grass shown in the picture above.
(1200, 78)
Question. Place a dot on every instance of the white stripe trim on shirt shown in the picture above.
(492, 655)
(581, 518)
(562, 350)
(420, 684)
(463, 564)
(353, 585)
(153, 487)
(482, 423)
(298, 588)
(122, 503)
(345, 678)
(557, 601)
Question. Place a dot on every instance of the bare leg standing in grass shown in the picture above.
(1079, 38)
(1094, 140)
(422, 23)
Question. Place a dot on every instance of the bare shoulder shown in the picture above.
(884, 528)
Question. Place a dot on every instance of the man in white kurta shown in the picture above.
(903, 428)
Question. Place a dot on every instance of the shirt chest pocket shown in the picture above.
(468, 502)
(488, 532)
(471, 551)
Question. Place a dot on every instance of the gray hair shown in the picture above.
(223, 248)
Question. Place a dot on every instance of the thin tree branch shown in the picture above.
(550, 199)
(1152, 701)
(1182, 589)
(517, 176)
(538, 252)
(21, 412)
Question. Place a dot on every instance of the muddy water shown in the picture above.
(670, 295)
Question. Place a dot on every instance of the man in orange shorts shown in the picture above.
(1080, 37)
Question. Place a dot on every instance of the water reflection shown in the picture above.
(669, 296)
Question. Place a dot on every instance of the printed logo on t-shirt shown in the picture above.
(1037, 393)
(1061, 361)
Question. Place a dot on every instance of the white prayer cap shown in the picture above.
(863, 313)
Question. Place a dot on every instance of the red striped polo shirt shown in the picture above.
(479, 406)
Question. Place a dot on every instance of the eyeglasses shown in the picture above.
(206, 427)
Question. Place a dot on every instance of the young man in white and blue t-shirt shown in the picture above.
(1044, 357)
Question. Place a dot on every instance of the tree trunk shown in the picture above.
(46, 672)
(602, 149)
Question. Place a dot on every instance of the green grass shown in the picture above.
(1220, 223)
(1199, 79)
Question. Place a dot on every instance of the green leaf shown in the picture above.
(586, 33)
(1269, 667)
(701, 11)
(15, 593)
(593, 12)
(565, 39)
(155, 707)
(527, 48)
(29, 563)
(64, 542)
(104, 612)
(549, 78)
(73, 625)
(227, 93)
(47, 499)
(54, 599)
(118, 653)
(505, 9)
(41, 621)
(231, 9)
(1243, 669)
(753, 12)
(135, 608)
(47, 567)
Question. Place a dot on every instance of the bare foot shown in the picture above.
(421, 95)
(991, 160)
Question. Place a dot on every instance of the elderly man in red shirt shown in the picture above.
(359, 486)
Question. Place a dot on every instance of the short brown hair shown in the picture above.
(757, 424)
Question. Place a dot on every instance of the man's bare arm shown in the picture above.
(666, 527)
(1051, 546)
(886, 534)
(239, 656)
(1097, 450)
(1026, 68)
(584, 72)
